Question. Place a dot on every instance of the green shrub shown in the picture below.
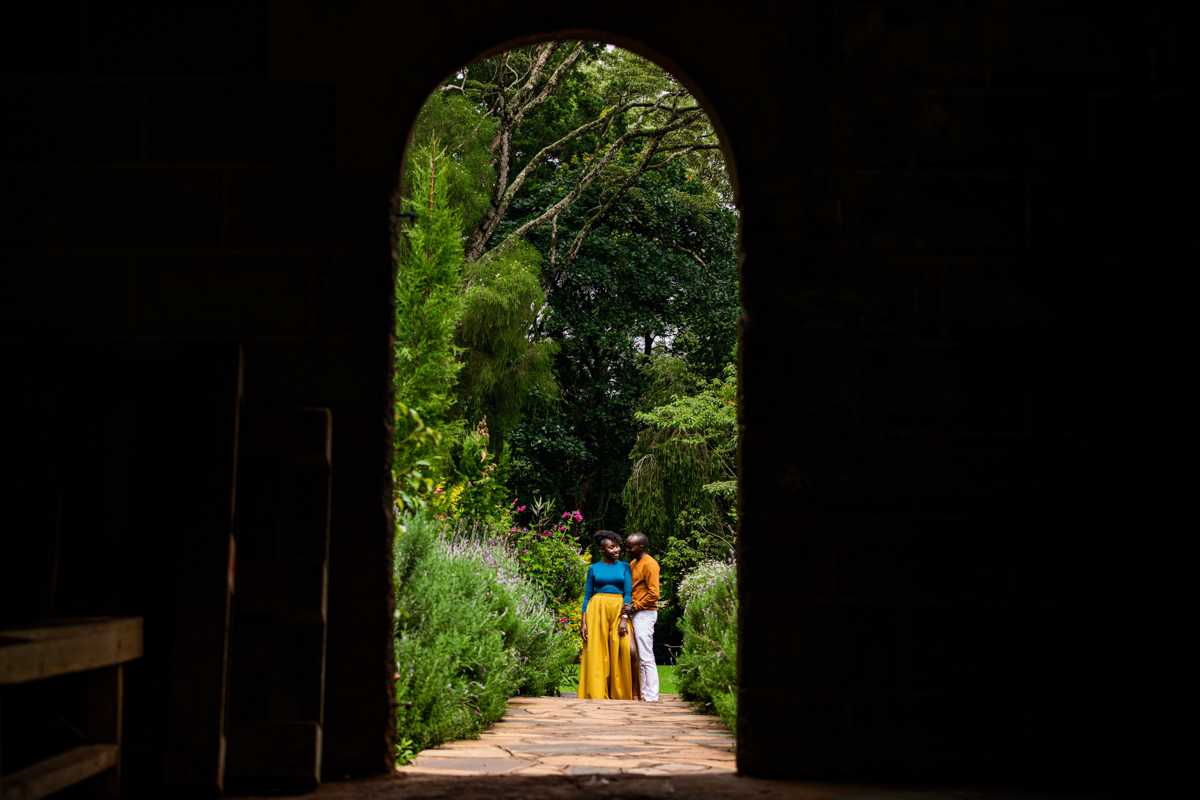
(707, 666)
(470, 633)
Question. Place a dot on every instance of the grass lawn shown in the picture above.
(666, 681)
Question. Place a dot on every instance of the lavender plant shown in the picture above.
(471, 631)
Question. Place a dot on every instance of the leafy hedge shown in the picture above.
(471, 632)
(707, 666)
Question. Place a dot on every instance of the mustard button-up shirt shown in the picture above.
(645, 583)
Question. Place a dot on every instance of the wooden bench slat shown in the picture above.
(34, 653)
(59, 772)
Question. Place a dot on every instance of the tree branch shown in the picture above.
(699, 260)
(551, 82)
(585, 180)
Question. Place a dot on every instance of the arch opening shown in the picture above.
(587, 196)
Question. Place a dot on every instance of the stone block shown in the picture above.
(1144, 133)
(958, 558)
(25, 197)
(837, 297)
(881, 45)
(949, 466)
(1073, 46)
(839, 647)
(308, 208)
(827, 467)
(1176, 64)
(871, 557)
(224, 295)
(58, 296)
(911, 738)
(1112, 216)
(239, 121)
(817, 729)
(348, 293)
(989, 300)
(42, 39)
(1147, 390)
(145, 38)
(1137, 476)
(51, 115)
(950, 130)
(932, 216)
(979, 648)
(147, 208)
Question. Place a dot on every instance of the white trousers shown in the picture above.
(643, 632)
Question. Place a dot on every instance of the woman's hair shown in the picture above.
(600, 536)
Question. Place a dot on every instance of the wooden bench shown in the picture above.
(54, 648)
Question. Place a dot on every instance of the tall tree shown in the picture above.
(601, 163)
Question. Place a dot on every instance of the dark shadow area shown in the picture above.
(967, 365)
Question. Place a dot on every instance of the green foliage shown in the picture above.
(470, 632)
(429, 262)
(483, 497)
(505, 362)
(465, 132)
(707, 667)
(682, 483)
(549, 460)
(411, 472)
(630, 285)
(638, 253)
(405, 751)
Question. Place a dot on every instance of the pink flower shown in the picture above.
(468, 483)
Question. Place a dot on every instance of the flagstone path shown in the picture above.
(568, 736)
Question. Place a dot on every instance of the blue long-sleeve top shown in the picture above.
(608, 579)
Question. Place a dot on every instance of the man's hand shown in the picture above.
(629, 609)
(622, 627)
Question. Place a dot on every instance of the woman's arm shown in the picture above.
(588, 591)
(623, 625)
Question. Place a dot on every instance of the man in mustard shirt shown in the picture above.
(644, 610)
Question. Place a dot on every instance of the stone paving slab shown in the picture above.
(546, 736)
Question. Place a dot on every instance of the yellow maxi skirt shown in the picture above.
(605, 669)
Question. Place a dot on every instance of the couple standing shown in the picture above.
(618, 596)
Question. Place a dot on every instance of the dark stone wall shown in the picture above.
(969, 362)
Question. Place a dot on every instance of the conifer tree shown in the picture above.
(428, 304)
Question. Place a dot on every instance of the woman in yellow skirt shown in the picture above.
(605, 669)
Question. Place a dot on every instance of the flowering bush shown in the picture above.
(701, 579)
(707, 667)
(551, 559)
(471, 631)
(483, 493)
